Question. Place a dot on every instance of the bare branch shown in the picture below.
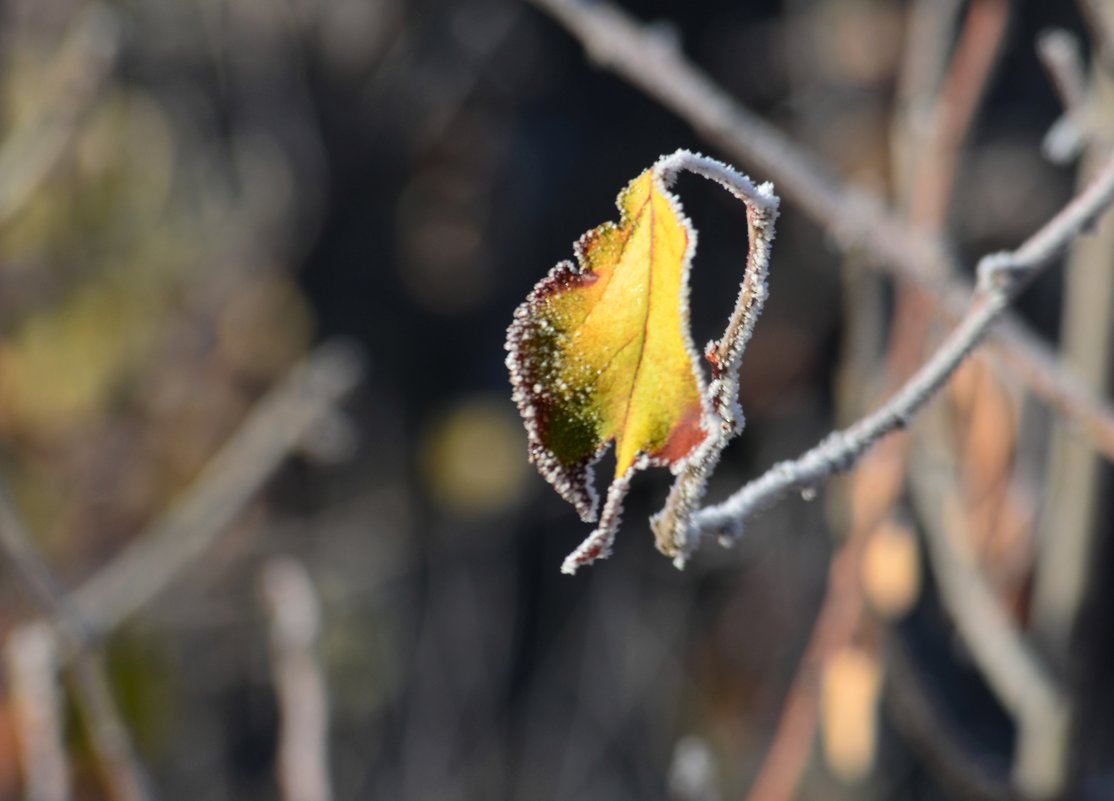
(855, 219)
(1060, 53)
(278, 424)
(919, 712)
(123, 773)
(31, 150)
(1001, 277)
(1100, 19)
(671, 525)
(834, 627)
(32, 658)
(953, 110)
(299, 681)
(1013, 670)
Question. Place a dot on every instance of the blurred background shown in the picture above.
(203, 202)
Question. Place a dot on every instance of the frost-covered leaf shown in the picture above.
(600, 351)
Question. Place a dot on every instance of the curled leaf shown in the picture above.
(600, 352)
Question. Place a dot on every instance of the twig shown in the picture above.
(1059, 52)
(1074, 527)
(32, 659)
(1001, 277)
(299, 681)
(1100, 19)
(919, 712)
(857, 220)
(835, 625)
(84, 60)
(1013, 670)
(671, 525)
(277, 425)
(123, 773)
(1075, 518)
(29, 566)
(928, 38)
(954, 109)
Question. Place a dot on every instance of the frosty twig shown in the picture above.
(1001, 277)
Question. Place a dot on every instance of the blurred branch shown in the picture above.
(32, 659)
(919, 713)
(123, 774)
(1075, 525)
(1059, 52)
(835, 626)
(953, 110)
(930, 136)
(1001, 277)
(855, 219)
(1012, 669)
(671, 525)
(1100, 18)
(278, 425)
(1075, 517)
(84, 60)
(299, 681)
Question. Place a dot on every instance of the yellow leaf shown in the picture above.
(600, 351)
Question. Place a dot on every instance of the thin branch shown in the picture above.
(834, 627)
(275, 428)
(1100, 18)
(919, 711)
(123, 774)
(31, 150)
(32, 658)
(303, 770)
(1012, 669)
(954, 109)
(725, 421)
(856, 220)
(30, 567)
(1001, 277)
(1060, 53)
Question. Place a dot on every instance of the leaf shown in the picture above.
(600, 351)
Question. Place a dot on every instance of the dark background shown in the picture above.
(250, 179)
